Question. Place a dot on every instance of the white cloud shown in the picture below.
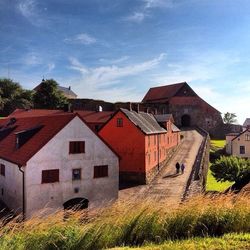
(82, 38)
(108, 75)
(51, 66)
(158, 3)
(29, 9)
(136, 17)
(114, 61)
(102, 82)
(145, 10)
(32, 59)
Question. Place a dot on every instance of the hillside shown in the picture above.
(134, 224)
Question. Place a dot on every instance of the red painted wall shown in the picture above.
(128, 141)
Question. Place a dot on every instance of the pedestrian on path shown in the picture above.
(177, 166)
(182, 168)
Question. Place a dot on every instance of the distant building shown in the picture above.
(239, 145)
(246, 124)
(187, 108)
(142, 144)
(66, 91)
(54, 161)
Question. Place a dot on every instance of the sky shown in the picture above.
(115, 50)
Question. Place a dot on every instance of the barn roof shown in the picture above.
(162, 92)
(144, 121)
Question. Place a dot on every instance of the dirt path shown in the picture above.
(169, 186)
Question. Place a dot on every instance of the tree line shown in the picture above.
(13, 96)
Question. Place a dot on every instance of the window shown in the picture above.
(242, 150)
(247, 137)
(77, 147)
(50, 176)
(76, 174)
(2, 169)
(100, 171)
(119, 122)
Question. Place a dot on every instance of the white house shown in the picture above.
(54, 162)
(239, 145)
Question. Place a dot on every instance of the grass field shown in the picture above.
(136, 223)
(212, 184)
(226, 242)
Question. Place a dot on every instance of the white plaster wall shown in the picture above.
(55, 155)
(12, 187)
(240, 141)
(229, 139)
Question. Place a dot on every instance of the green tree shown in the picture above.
(232, 169)
(229, 118)
(48, 96)
(13, 96)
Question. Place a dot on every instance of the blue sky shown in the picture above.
(116, 49)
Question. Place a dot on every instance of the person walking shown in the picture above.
(177, 166)
(182, 168)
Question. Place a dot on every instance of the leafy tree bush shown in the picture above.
(232, 169)
(13, 96)
(48, 96)
(229, 118)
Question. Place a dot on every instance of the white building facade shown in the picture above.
(75, 164)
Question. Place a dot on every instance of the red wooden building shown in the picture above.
(141, 142)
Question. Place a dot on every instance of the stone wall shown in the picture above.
(197, 180)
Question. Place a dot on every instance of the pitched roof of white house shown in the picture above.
(22, 138)
(247, 130)
(144, 121)
(246, 122)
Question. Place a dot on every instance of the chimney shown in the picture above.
(138, 107)
(130, 106)
(69, 87)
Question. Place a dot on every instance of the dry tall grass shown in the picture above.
(130, 223)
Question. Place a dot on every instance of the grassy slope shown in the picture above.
(212, 184)
(228, 242)
(133, 224)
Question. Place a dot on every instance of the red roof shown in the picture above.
(162, 92)
(51, 125)
(88, 116)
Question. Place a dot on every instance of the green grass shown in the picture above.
(132, 224)
(218, 143)
(212, 184)
(227, 242)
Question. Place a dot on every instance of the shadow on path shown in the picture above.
(171, 175)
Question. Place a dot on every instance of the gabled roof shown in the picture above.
(164, 117)
(175, 129)
(246, 122)
(162, 92)
(49, 127)
(88, 116)
(67, 91)
(144, 121)
(247, 130)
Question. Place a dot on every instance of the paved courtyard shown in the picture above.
(169, 186)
